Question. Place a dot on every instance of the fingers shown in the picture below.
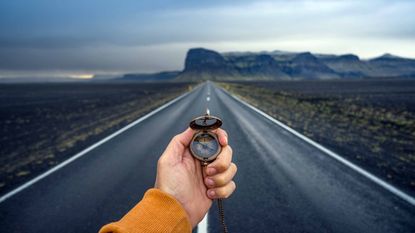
(222, 136)
(222, 192)
(221, 163)
(220, 174)
(221, 179)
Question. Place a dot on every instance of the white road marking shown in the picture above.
(203, 225)
(339, 158)
(83, 152)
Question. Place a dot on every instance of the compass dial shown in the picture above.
(205, 146)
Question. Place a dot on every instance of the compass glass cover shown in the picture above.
(205, 145)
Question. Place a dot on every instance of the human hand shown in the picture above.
(180, 175)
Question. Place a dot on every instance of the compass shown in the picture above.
(204, 145)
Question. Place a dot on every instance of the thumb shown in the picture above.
(179, 143)
(184, 138)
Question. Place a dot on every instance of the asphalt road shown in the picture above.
(283, 184)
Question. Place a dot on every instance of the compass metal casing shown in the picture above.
(205, 145)
(208, 151)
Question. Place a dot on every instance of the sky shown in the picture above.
(79, 38)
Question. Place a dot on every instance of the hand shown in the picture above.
(180, 175)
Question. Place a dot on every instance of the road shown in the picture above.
(284, 184)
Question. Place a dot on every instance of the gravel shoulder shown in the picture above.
(44, 124)
(370, 122)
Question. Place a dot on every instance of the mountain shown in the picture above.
(347, 66)
(389, 65)
(202, 64)
(205, 64)
(306, 65)
(162, 76)
(257, 66)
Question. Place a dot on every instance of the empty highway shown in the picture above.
(284, 184)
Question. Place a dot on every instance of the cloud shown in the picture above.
(111, 36)
(100, 59)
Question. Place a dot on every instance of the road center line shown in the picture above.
(203, 225)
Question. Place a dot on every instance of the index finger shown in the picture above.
(222, 136)
(221, 163)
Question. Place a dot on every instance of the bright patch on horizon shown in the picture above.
(82, 76)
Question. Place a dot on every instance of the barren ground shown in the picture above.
(43, 124)
(370, 122)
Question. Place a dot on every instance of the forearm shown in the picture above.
(156, 212)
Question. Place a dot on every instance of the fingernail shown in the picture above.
(209, 182)
(211, 193)
(211, 171)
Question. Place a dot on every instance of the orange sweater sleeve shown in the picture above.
(156, 212)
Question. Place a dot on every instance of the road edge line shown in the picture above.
(202, 227)
(361, 171)
(90, 148)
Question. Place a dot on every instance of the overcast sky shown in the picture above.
(80, 37)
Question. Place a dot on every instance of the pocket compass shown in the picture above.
(205, 145)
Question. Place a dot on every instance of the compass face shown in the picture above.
(205, 146)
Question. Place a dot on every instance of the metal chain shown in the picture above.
(222, 216)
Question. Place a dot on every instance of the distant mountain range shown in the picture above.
(204, 64)
(161, 76)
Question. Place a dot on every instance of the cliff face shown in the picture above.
(204, 60)
(203, 64)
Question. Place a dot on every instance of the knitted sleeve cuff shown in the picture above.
(156, 212)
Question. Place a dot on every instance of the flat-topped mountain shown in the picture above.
(201, 64)
(205, 64)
